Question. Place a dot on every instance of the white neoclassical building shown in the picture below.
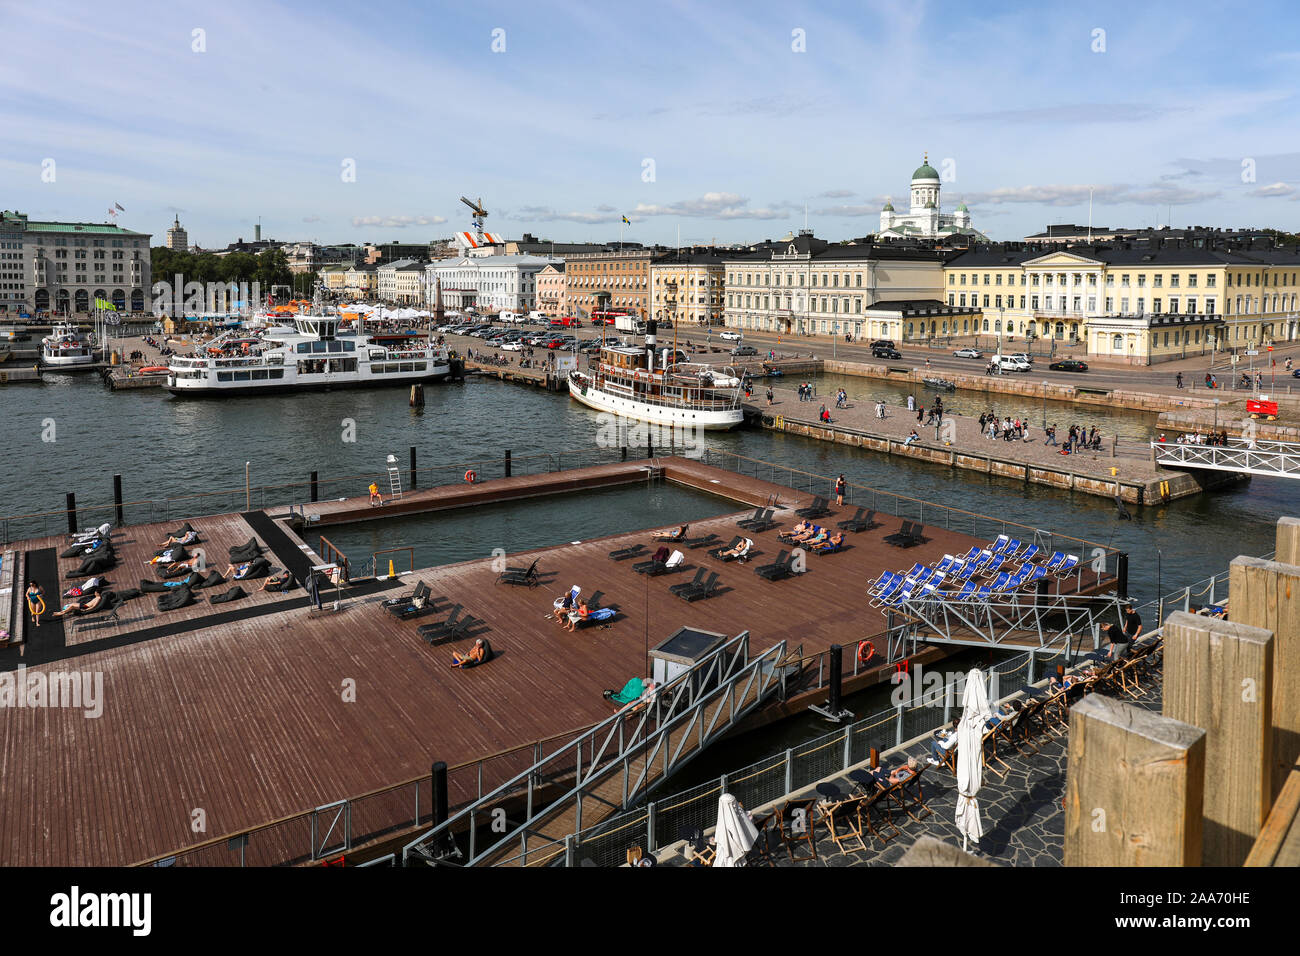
(487, 282)
(925, 218)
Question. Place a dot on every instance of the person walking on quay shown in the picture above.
(1051, 436)
(938, 409)
(920, 413)
(769, 395)
(911, 403)
(839, 491)
(1024, 429)
(880, 409)
(1179, 379)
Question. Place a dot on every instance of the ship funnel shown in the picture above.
(650, 340)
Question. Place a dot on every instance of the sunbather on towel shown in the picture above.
(89, 586)
(176, 567)
(831, 543)
(247, 569)
(672, 535)
(189, 537)
(169, 556)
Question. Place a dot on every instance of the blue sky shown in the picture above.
(1016, 103)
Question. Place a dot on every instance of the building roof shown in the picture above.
(925, 171)
(401, 265)
(905, 306)
(87, 227)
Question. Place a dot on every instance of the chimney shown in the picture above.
(257, 233)
(651, 327)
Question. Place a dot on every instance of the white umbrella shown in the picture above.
(970, 756)
(734, 834)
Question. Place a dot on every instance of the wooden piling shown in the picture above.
(1288, 540)
(1267, 594)
(417, 396)
(1134, 787)
(1219, 677)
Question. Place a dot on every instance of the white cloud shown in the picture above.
(1276, 189)
(836, 194)
(848, 211)
(716, 205)
(311, 219)
(397, 222)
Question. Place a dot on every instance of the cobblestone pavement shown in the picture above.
(1024, 820)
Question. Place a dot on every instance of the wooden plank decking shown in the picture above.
(252, 720)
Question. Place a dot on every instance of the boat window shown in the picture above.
(277, 373)
(225, 376)
(243, 376)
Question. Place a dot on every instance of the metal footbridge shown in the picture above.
(1016, 620)
(532, 819)
(1276, 459)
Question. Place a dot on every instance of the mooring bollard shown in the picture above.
(411, 482)
(315, 487)
(72, 513)
(507, 462)
(117, 500)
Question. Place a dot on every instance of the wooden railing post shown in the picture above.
(1133, 787)
(1267, 594)
(1219, 677)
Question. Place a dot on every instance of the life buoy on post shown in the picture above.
(470, 477)
(866, 651)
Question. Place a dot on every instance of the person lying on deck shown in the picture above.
(166, 557)
(817, 540)
(578, 614)
(83, 607)
(240, 571)
(480, 653)
(189, 537)
(797, 530)
(831, 543)
(672, 535)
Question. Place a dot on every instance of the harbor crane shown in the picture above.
(479, 215)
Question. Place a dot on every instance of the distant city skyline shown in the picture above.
(723, 122)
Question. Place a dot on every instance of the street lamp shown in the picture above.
(1216, 416)
(1044, 404)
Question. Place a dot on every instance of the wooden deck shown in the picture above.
(280, 712)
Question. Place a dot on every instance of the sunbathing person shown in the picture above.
(169, 556)
(904, 773)
(247, 569)
(831, 543)
(565, 605)
(809, 532)
(798, 529)
(1001, 714)
(90, 585)
(818, 539)
(480, 653)
(276, 582)
(579, 613)
(739, 551)
(189, 537)
(84, 607)
(672, 535)
(176, 567)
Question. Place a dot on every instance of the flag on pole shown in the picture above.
(105, 304)
(627, 220)
(118, 207)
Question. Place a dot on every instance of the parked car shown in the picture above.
(730, 335)
(1069, 365)
(968, 353)
(885, 352)
(512, 346)
(555, 342)
(740, 350)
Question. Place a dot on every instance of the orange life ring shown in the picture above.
(470, 476)
(866, 651)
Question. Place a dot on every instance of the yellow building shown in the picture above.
(1135, 303)
(334, 279)
(687, 288)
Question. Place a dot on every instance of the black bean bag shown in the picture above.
(87, 547)
(234, 594)
(175, 572)
(213, 579)
(159, 586)
(288, 585)
(128, 594)
(97, 564)
(257, 568)
(175, 599)
(246, 551)
(175, 552)
(181, 531)
(488, 654)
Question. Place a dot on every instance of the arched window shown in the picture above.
(986, 325)
(1118, 343)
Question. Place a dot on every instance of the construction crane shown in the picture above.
(479, 215)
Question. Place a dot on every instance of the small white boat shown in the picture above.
(68, 348)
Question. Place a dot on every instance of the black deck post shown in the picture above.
(439, 774)
(837, 666)
(315, 487)
(72, 513)
(507, 462)
(117, 500)
(1121, 573)
(649, 448)
(412, 482)
(624, 453)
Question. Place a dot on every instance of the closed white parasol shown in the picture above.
(970, 756)
(735, 833)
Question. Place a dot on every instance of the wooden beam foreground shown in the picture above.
(1267, 594)
(1219, 677)
(1134, 787)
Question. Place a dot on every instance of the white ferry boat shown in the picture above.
(626, 381)
(67, 348)
(313, 354)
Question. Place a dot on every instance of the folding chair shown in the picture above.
(797, 822)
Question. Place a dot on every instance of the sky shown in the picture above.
(708, 121)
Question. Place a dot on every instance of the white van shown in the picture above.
(511, 317)
(1009, 363)
(535, 316)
